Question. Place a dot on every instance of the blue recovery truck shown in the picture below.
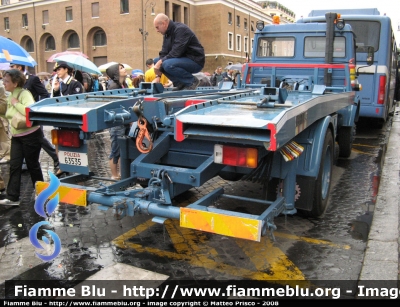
(282, 127)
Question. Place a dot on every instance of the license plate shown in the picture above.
(73, 158)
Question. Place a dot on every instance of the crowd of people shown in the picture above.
(177, 66)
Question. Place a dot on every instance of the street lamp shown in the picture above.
(142, 30)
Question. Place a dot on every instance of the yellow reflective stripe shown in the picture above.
(227, 225)
(67, 195)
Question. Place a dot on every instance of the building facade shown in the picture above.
(123, 31)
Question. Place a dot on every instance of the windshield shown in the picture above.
(275, 47)
(314, 47)
(367, 34)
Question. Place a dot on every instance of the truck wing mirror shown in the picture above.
(370, 55)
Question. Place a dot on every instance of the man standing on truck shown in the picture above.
(181, 54)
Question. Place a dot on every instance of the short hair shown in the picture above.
(149, 61)
(16, 76)
(22, 66)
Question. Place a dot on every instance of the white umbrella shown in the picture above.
(103, 67)
(78, 62)
(234, 67)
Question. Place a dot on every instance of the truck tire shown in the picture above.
(323, 182)
(345, 141)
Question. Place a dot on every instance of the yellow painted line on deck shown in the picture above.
(67, 195)
(269, 261)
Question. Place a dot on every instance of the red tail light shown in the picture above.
(382, 90)
(236, 156)
(66, 138)
(28, 122)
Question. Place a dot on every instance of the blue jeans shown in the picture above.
(180, 70)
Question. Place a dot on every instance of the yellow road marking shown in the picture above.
(363, 152)
(365, 145)
(265, 256)
(191, 245)
(310, 240)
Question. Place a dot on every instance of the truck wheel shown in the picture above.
(323, 182)
(345, 141)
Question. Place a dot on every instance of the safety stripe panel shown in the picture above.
(68, 195)
(227, 225)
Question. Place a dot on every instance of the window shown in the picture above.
(50, 44)
(4, 2)
(95, 9)
(24, 20)
(246, 43)
(45, 17)
(276, 47)
(124, 6)
(230, 41)
(229, 18)
(245, 23)
(252, 26)
(238, 21)
(100, 38)
(315, 47)
(367, 34)
(73, 41)
(6, 23)
(68, 13)
(29, 46)
(238, 42)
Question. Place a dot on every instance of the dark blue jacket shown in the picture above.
(180, 42)
(36, 87)
(73, 87)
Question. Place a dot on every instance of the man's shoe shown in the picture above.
(4, 161)
(194, 85)
(204, 82)
(179, 87)
(8, 202)
(56, 167)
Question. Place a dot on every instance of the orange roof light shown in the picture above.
(276, 20)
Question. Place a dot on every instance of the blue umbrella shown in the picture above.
(78, 62)
(11, 52)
